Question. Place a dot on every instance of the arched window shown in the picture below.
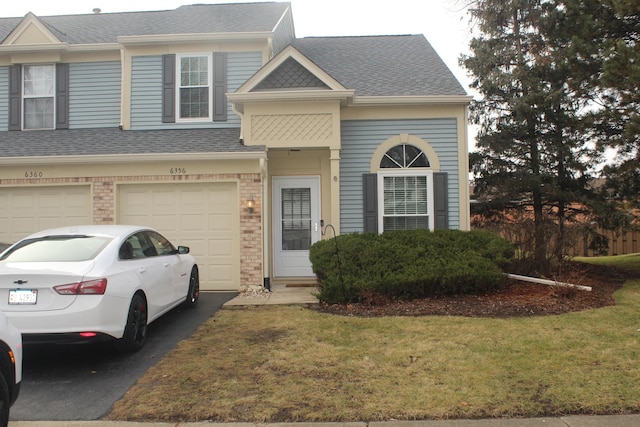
(404, 156)
(406, 188)
(405, 198)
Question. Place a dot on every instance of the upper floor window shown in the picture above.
(194, 88)
(39, 96)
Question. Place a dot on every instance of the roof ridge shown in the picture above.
(360, 36)
(132, 12)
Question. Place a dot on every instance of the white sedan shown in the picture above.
(93, 282)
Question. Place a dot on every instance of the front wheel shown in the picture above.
(194, 288)
(135, 331)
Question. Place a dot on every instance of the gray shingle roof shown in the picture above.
(108, 141)
(403, 65)
(199, 18)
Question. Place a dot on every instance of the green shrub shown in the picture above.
(409, 264)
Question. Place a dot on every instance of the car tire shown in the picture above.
(194, 288)
(5, 401)
(135, 331)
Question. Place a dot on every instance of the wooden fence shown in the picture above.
(580, 240)
(619, 244)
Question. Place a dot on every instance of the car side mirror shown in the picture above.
(182, 250)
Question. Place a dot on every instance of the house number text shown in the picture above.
(178, 171)
(33, 174)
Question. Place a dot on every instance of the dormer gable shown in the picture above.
(290, 76)
(290, 70)
(31, 31)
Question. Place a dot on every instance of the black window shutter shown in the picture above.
(168, 88)
(370, 202)
(62, 96)
(219, 86)
(440, 200)
(15, 97)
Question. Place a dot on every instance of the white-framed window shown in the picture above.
(405, 190)
(38, 96)
(194, 89)
(406, 201)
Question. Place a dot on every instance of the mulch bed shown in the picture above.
(516, 299)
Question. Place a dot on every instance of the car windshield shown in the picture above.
(57, 249)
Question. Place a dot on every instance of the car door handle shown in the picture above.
(166, 264)
(142, 270)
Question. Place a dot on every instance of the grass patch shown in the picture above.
(287, 363)
(629, 263)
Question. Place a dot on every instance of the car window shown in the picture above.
(137, 243)
(161, 244)
(71, 248)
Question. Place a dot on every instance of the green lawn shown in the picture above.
(283, 363)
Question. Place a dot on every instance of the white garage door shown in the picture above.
(25, 210)
(203, 216)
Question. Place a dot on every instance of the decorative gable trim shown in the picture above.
(290, 75)
(272, 66)
(325, 87)
(31, 31)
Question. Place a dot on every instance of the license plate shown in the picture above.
(23, 296)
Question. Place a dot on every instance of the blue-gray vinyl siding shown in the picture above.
(4, 98)
(146, 91)
(360, 138)
(94, 94)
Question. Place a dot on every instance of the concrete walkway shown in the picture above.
(281, 294)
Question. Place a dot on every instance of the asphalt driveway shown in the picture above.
(82, 382)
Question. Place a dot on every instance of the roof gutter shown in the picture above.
(363, 101)
(130, 158)
(192, 38)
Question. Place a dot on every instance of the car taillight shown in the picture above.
(89, 287)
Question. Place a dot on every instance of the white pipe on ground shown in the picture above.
(547, 282)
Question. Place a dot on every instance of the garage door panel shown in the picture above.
(25, 210)
(220, 222)
(220, 246)
(220, 273)
(203, 216)
(23, 201)
(192, 222)
(165, 200)
(223, 199)
(197, 247)
(192, 197)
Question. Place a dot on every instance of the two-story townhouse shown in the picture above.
(214, 124)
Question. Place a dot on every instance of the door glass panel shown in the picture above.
(296, 219)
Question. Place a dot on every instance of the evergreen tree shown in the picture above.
(531, 143)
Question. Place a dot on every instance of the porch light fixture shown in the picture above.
(250, 204)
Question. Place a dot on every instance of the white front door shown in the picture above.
(296, 217)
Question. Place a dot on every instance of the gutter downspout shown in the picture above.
(266, 220)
